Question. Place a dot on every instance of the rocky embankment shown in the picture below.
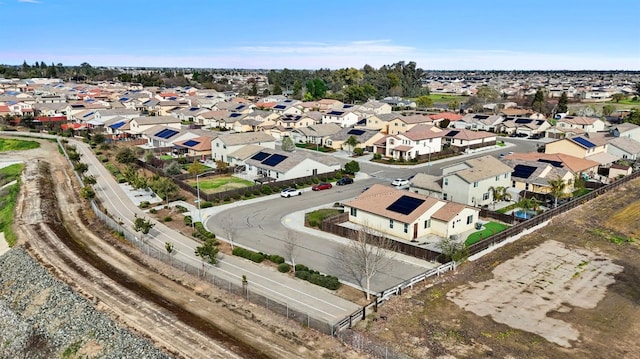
(41, 317)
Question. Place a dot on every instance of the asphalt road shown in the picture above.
(299, 295)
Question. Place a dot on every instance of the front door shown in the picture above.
(415, 230)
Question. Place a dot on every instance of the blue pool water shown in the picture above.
(524, 214)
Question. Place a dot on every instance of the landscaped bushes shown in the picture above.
(276, 259)
(201, 232)
(312, 276)
(188, 220)
(284, 268)
(251, 255)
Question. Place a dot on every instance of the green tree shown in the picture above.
(173, 168)
(297, 90)
(486, 93)
(287, 144)
(277, 88)
(424, 102)
(351, 142)
(563, 103)
(617, 97)
(316, 88)
(452, 250)
(208, 251)
(454, 104)
(351, 167)
(499, 193)
(633, 117)
(142, 225)
(196, 168)
(557, 189)
(165, 187)
(87, 193)
(538, 101)
(608, 109)
(81, 167)
(125, 155)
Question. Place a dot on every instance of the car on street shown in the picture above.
(321, 186)
(344, 180)
(290, 192)
(400, 182)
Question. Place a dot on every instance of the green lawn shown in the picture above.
(166, 157)
(490, 229)
(10, 173)
(17, 145)
(219, 184)
(316, 217)
(8, 197)
(580, 192)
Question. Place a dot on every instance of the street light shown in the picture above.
(429, 159)
(198, 190)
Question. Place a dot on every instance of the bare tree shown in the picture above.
(366, 255)
(229, 229)
(291, 247)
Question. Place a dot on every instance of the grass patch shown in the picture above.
(490, 229)
(72, 349)
(17, 145)
(444, 98)
(314, 147)
(166, 157)
(580, 192)
(8, 197)
(218, 184)
(10, 173)
(611, 237)
(316, 217)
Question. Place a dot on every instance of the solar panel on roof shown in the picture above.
(335, 113)
(161, 133)
(191, 143)
(355, 132)
(235, 115)
(117, 125)
(260, 156)
(583, 141)
(166, 133)
(405, 205)
(274, 160)
(481, 117)
(551, 162)
(523, 120)
(88, 114)
(451, 133)
(280, 107)
(522, 171)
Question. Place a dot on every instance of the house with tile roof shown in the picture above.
(524, 126)
(365, 138)
(421, 140)
(343, 117)
(589, 146)
(409, 216)
(374, 107)
(626, 129)
(138, 125)
(464, 139)
(225, 144)
(316, 134)
(587, 124)
(470, 182)
(405, 123)
(381, 121)
(477, 121)
(195, 147)
(534, 176)
(277, 165)
(624, 148)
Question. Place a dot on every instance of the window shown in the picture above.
(497, 178)
(354, 212)
(444, 196)
(513, 184)
(391, 223)
(427, 223)
(406, 228)
(526, 186)
(475, 184)
(505, 175)
(446, 181)
(470, 219)
(485, 196)
(217, 144)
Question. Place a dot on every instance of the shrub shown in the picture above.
(312, 276)
(181, 209)
(144, 204)
(301, 267)
(274, 258)
(315, 180)
(188, 221)
(153, 211)
(103, 159)
(201, 232)
(377, 156)
(284, 268)
(358, 151)
(237, 196)
(248, 254)
(248, 195)
(167, 219)
(302, 274)
(266, 189)
(206, 204)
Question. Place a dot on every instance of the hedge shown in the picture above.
(201, 232)
(274, 258)
(284, 267)
(248, 254)
(315, 277)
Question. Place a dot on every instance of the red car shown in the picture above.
(322, 185)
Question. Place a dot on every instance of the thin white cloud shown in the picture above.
(30, 1)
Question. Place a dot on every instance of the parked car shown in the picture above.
(289, 192)
(322, 185)
(400, 182)
(344, 180)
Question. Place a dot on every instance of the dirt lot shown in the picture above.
(569, 290)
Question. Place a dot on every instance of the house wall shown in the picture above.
(613, 150)
(565, 146)
(458, 190)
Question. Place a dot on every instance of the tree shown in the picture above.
(291, 247)
(452, 250)
(81, 167)
(538, 101)
(634, 117)
(287, 144)
(168, 246)
(352, 167)
(499, 193)
(297, 90)
(617, 97)
(222, 166)
(165, 187)
(196, 168)
(365, 256)
(229, 229)
(563, 103)
(142, 225)
(125, 155)
(173, 168)
(486, 93)
(277, 89)
(608, 109)
(352, 142)
(87, 193)
(424, 102)
(557, 189)
(208, 251)
(316, 88)
(454, 104)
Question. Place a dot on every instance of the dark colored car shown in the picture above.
(322, 185)
(344, 180)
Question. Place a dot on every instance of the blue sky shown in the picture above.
(440, 35)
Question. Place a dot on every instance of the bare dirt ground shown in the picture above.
(568, 290)
(185, 316)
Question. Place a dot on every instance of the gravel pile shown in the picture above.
(41, 317)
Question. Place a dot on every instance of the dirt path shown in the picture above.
(184, 322)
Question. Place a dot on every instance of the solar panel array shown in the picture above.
(235, 115)
(260, 156)
(280, 107)
(551, 162)
(583, 141)
(405, 205)
(523, 120)
(335, 113)
(523, 171)
(355, 132)
(166, 133)
(117, 125)
(481, 117)
(451, 133)
(191, 143)
(274, 160)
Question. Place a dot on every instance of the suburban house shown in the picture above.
(141, 124)
(422, 140)
(408, 216)
(296, 121)
(274, 165)
(225, 144)
(470, 182)
(475, 121)
(375, 107)
(343, 117)
(163, 136)
(579, 146)
(626, 130)
(287, 107)
(587, 124)
(365, 138)
(426, 184)
(464, 139)
(195, 147)
(534, 176)
(381, 121)
(449, 116)
(576, 165)
(524, 126)
(405, 123)
(562, 132)
(624, 147)
(316, 134)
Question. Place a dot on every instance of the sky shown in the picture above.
(309, 34)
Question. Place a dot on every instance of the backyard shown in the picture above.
(219, 184)
(490, 228)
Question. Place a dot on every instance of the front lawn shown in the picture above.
(17, 145)
(313, 219)
(220, 184)
(314, 147)
(490, 229)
